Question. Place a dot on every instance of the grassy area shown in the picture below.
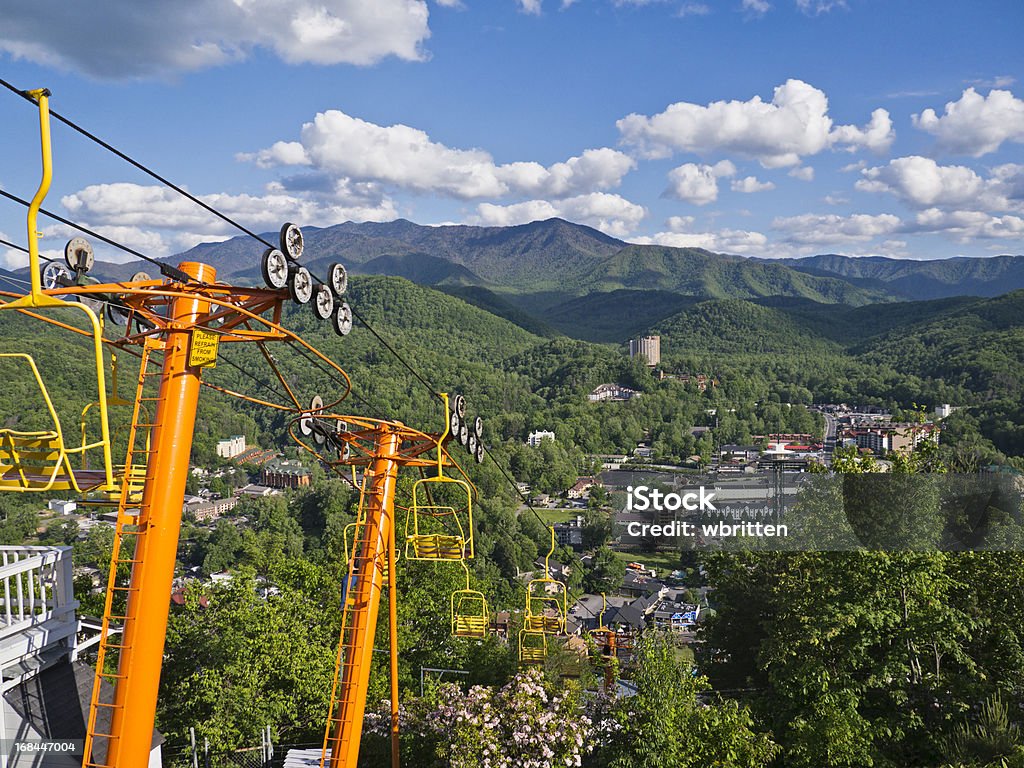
(663, 562)
(552, 516)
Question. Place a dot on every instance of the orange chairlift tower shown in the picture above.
(174, 325)
(381, 448)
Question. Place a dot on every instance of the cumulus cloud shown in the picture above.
(922, 183)
(751, 184)
(794, 124)
(404, 157)
(529, 6)
(722, 241)
(804, 173)
(966, 226)
(698, 184)
(115, 39)
(137, 215)
(829, 229)
(612, 214)
(975, 124)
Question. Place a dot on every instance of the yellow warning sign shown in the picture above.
(203, 352)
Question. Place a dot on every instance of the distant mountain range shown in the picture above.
(558, 277)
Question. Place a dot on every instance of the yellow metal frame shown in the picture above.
(439, 546)
(470, 617)
(553, 596)
(533, 647)
(136, 474)
(38, 300)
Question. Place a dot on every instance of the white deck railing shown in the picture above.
(37, 601)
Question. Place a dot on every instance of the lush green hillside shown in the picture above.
(695, 272)
(420, 268)
(503, 306)
(737, 326)
(921, 279)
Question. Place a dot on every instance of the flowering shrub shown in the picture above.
(522, 725)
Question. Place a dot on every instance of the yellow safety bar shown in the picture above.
(431, 545)
(469, 611)
(37, 299)
(544, 596)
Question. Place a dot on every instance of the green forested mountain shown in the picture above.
(696, 272)
(921, 279)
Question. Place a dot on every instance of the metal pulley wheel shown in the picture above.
(291, 241)
(479, 453)
(140, 277)
(117, 314)
(471, 443)
(344, 449)
(478, 427)
(55, 276)
(323, 302)
(78, 254)
(454, 424)
(459, 406)
(343, 319)
(275, 269)
(463, 433)
(337, 276)
(316, 405)
(300, 285)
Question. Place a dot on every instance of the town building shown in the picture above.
(534, 438)
(210, 510)
(612, 392)
(881, 437)
(285, 473)
(648, 347)
(62, 506)
(232, 447)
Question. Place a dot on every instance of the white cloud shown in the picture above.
(136, 215)
(999, 81)
(693, 9)
(750, 184)
(116, 39)
(529, 6)
(922, 183)
(612, 214)
(401, 156)
(819, 6)
(778, 133)
(679, 223)
(804, 173)
(698, 184)
(836, 199)
(830, 229)
(858, 166)
(756, 7)
(975, 124)
(723, 241)
(966, 226)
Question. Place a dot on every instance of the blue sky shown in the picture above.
(759, 127)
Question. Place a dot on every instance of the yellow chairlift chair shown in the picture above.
(546, 600)
(40, 461)
(440, 530)
(469, 611)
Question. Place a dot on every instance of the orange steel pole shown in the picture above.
(393, 632)
(368, 572)
(156, 549)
